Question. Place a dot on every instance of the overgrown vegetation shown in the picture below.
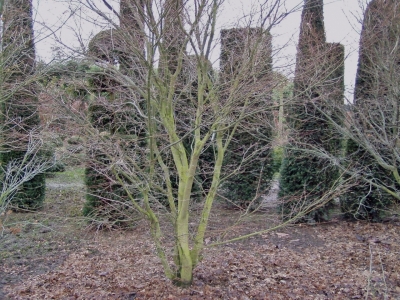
(20, 119)
(166, 133)
(306, 177)
(106, 201)
(372, 149)
(249, 152)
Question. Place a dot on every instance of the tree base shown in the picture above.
(182, 283)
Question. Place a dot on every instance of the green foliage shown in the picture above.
(102, 200)
(99, 189)
(311, 42)
(376, 114)
(58, 166)
(68, 75)
(20, 117)
(277, 158)
(306, 176)
(365, 201)
(113, 116)
(30, 194)
(248, 160)
(304, 180)
(107, 201)
(101, 82)
(48, 153)
(250, 154)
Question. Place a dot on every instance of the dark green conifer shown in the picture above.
(100, 184)
(248, 159)
(112, 114)
(19, 97)
(130, 52)
(318, 91)
(374, 111)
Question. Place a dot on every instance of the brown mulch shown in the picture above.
(338, 260)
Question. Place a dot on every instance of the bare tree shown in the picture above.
(20, 171)
(177, 99)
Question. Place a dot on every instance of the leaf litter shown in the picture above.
(337, 260)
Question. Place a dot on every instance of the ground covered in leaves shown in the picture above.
(48, 256)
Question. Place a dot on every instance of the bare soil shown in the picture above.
(52, 254)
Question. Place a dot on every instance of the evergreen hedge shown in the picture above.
(373, 99)
(306, 177)
(20, 114)
(121, 132)
(249, 153)
(363, 200)
(101, 197)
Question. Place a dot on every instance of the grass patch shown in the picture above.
(72, 174)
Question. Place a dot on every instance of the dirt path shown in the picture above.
(271, 200)
(58, 185)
